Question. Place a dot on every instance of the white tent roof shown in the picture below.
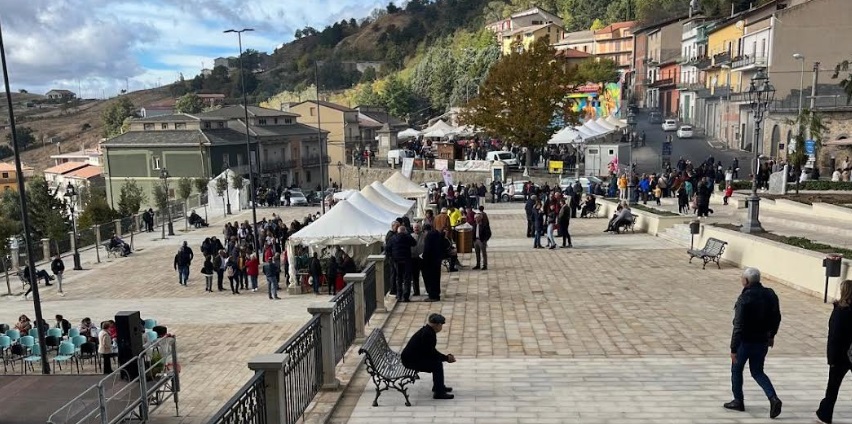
(409, 133)
(594, 126)
(359, 201)
(342, 195)
(439, 129)
(615, 121)
(586, 133)
(605, 124)
(567, 135)
(380, 200)
(403, 186)
(390, 195)
(343, 224)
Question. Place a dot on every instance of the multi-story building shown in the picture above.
(653, 45)
(583, 41)
(528, 18)
(691, 80)
(522, 38)
(9, 176)
(91, 156)
(341, 122)
(80, 174)
(284, 152)
(615, 41)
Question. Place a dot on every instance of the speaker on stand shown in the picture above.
(129, 328)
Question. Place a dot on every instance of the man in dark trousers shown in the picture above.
(757, 316)
(391, 265)
(421, 355)
(400, 247)
(416, 258)
(528, 208)
(481, 234)
(434, 252)
(183, 260)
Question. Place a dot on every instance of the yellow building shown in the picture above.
(9, 177)
(722, 45)
(522, 38)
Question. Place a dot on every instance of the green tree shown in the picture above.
(8, 228)
(221, 186)
(597, 24)
(521, 97)
(369, 74)
(397, 97)
(184, 190)
(131, 198)
(161, 196)
(25, 137)
(115, 114)
(97, 211)
(843, 69)
(238, 183)
(48, 217)
(201, 184)
(597, 70)
(367, 95)
(189, 103)
(809, 125)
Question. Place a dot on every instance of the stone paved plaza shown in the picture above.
(216, 332)
(620, 329)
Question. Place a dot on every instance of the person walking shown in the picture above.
(183, 259)
(420, 354)
(58, 269)
(252, 270)
(315, 269)
(417, 258)
(208, 270)
(538, 225)
(434, 251)
(272, 271)
(757, 316)
(529, 208)
(837, 350)
(550, 216)
(481, 235)
(220, 265)
(564, 220)
(400, 247)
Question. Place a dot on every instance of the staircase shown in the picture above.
(678, 234)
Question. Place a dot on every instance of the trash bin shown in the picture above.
(831, 263)
(464, 243)
(695, 227)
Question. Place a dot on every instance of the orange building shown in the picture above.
(9, 176)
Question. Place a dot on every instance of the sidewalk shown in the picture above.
(544, 336)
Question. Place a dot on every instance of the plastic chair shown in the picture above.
(150, 324)
(14, 335)
(27, 342)
(34, 356)
(52, 342)
(78, 341)
(151, 335)
(74, 332)
(5, 354)
(66, 354)
(33, 332)
(54, 332)
(89, 352)
(4, 328)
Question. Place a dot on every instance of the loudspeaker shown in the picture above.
(129, 327)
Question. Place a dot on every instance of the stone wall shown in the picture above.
(349, 174)
(839, 125)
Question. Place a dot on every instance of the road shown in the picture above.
(697, 150)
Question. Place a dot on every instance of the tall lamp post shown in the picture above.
(164, 175)
(25, 215)
(253, 192)
(800, 58)
(226, 166)
(760, 95)
(71, 194)
(631, 124)
(340, 174)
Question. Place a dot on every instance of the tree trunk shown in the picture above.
(529, 158)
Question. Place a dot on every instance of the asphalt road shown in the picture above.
(697, 150)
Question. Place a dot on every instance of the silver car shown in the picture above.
(565, 182)
(297, 198)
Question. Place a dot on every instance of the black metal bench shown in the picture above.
(628, 224)
(385, 366)
(712, 252)
(115, 251)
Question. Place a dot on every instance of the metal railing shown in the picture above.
(369, 291)
(343, 321)
(249, 404)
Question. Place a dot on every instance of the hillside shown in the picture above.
(67, 126)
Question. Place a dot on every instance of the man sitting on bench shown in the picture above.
(622, 216)
(117, 242)
(196, 220)
(588, 206)
(421, 355)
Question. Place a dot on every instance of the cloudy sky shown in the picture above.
(94, 46)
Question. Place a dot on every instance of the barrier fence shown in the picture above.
(343, 320)
(369, 291)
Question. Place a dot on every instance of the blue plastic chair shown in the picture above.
(66, 353)
(74, 332)
(150, 324)
(34, 356)
(14, 335)
(5, 347)
(34, 332)
(151, 335)
(78, 341)
(55, 332)
(27, 341)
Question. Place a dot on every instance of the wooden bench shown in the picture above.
(385, 366)
(712, 252)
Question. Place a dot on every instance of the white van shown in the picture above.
(395, 156)
(507, 157)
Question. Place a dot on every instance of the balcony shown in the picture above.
(278, 166)
(663, 83)
(314, 160)
(721, 58)
(703, 62)
(748, 62)
(690, 86)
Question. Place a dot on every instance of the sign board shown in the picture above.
(472, 165)
(810, 147)
(441, 164)
(667, 148)
(407, 167)
(448, 176)
(555, 167)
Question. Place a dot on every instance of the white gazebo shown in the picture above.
(408, 133)
(567, 135)
(404, 187)
(383, 202)
(439, 129)
(239, 199)
(376, 212)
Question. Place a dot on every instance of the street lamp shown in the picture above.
(253, 192)
(340, 174)
(25, 215)
(226, 166)
(760, 95)
(801, 58)
(71, 194)
(164, 175)
(631, 123)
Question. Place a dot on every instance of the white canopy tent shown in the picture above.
(408, 133)
(605, 124)
(380, 200)
(594, 126)
(467, 131)
(586, 133)
(343, 195)
(439, 129)
(618, 123)
(567, 135)
(384, 191)
(408, 189)
(239, 199)
(359, 201)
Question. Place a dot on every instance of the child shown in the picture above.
(658, 194)
(729, 191)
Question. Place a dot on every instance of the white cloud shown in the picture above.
(99, 44)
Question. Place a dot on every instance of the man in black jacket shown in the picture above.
(183, 259)
(481, 235)
(434, 251)
(528, 208)
(400, 251)
(757, 316)
(421, 355)
(58, 269)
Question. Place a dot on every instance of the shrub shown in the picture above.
(737, 185)
(823, 185)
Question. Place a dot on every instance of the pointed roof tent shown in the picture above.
(374, 196)
(343, 224)
(438, 129)
(403, 186)
(390, 195)
(567, 135)
(376, 212)
(618, 123)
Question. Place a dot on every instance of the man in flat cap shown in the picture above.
(421, 355)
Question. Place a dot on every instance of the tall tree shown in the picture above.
(844, 70)
(201, 184)
(597, 70)
(397, 97)
(25, 137)
(521, 97)
(115, 114)
(184, 190)
(189, 103)
(807, 124)
(47, 213)
(130, 198)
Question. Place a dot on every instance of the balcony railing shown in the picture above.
(744, 61)
(690, 86)
(703, 62)
(315, 160)
(279, 166)
(663, 82)
(721, 58)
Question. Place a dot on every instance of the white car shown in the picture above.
(684, 131)
(508, 157)
(670, 125)
(297, 198)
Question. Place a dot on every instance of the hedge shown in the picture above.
(823, 185)
(654, 211)
(737, 185)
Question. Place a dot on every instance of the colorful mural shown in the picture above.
(593, 101)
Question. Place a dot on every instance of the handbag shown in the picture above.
(229, 272)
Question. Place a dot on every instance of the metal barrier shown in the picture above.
(343, 321)
(248, 406)
(369, 291)
(118, 398)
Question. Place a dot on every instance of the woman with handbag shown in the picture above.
(838, 349)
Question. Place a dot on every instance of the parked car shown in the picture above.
(685, 131)
(508, 157)
(395, 156)
(584, 182)
(655, 117)
(297, 198)
(670, 125)
(517, 191)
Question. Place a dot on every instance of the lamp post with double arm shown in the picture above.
(631, 188)
(71, 194)
(760, 95)
(164, 175)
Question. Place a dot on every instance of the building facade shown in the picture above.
(615, 42)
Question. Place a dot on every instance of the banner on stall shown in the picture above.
(448, 176)
(407, 167)
(473, 165)
(441, 164)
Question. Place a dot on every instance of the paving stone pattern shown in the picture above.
(619, 329)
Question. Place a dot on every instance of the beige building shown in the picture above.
(583, 41)
(341, 122)
(615, 41)
(535, 16)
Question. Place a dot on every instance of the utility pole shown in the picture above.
(319, 139)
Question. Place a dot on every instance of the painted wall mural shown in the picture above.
(592, 101)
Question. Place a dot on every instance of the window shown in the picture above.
(226, 159)
(180, 126)
(308, 176)
(312, 112)
(275, 121)
(164, 126)
(155, 162)
(261, 121)
(239, 159)
(288, 121)
(221, 124)
(148, 127)
(5, 175)
(208, 125)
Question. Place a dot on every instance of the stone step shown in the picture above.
(679, 234)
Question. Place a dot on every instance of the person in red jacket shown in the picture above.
(252, 268)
